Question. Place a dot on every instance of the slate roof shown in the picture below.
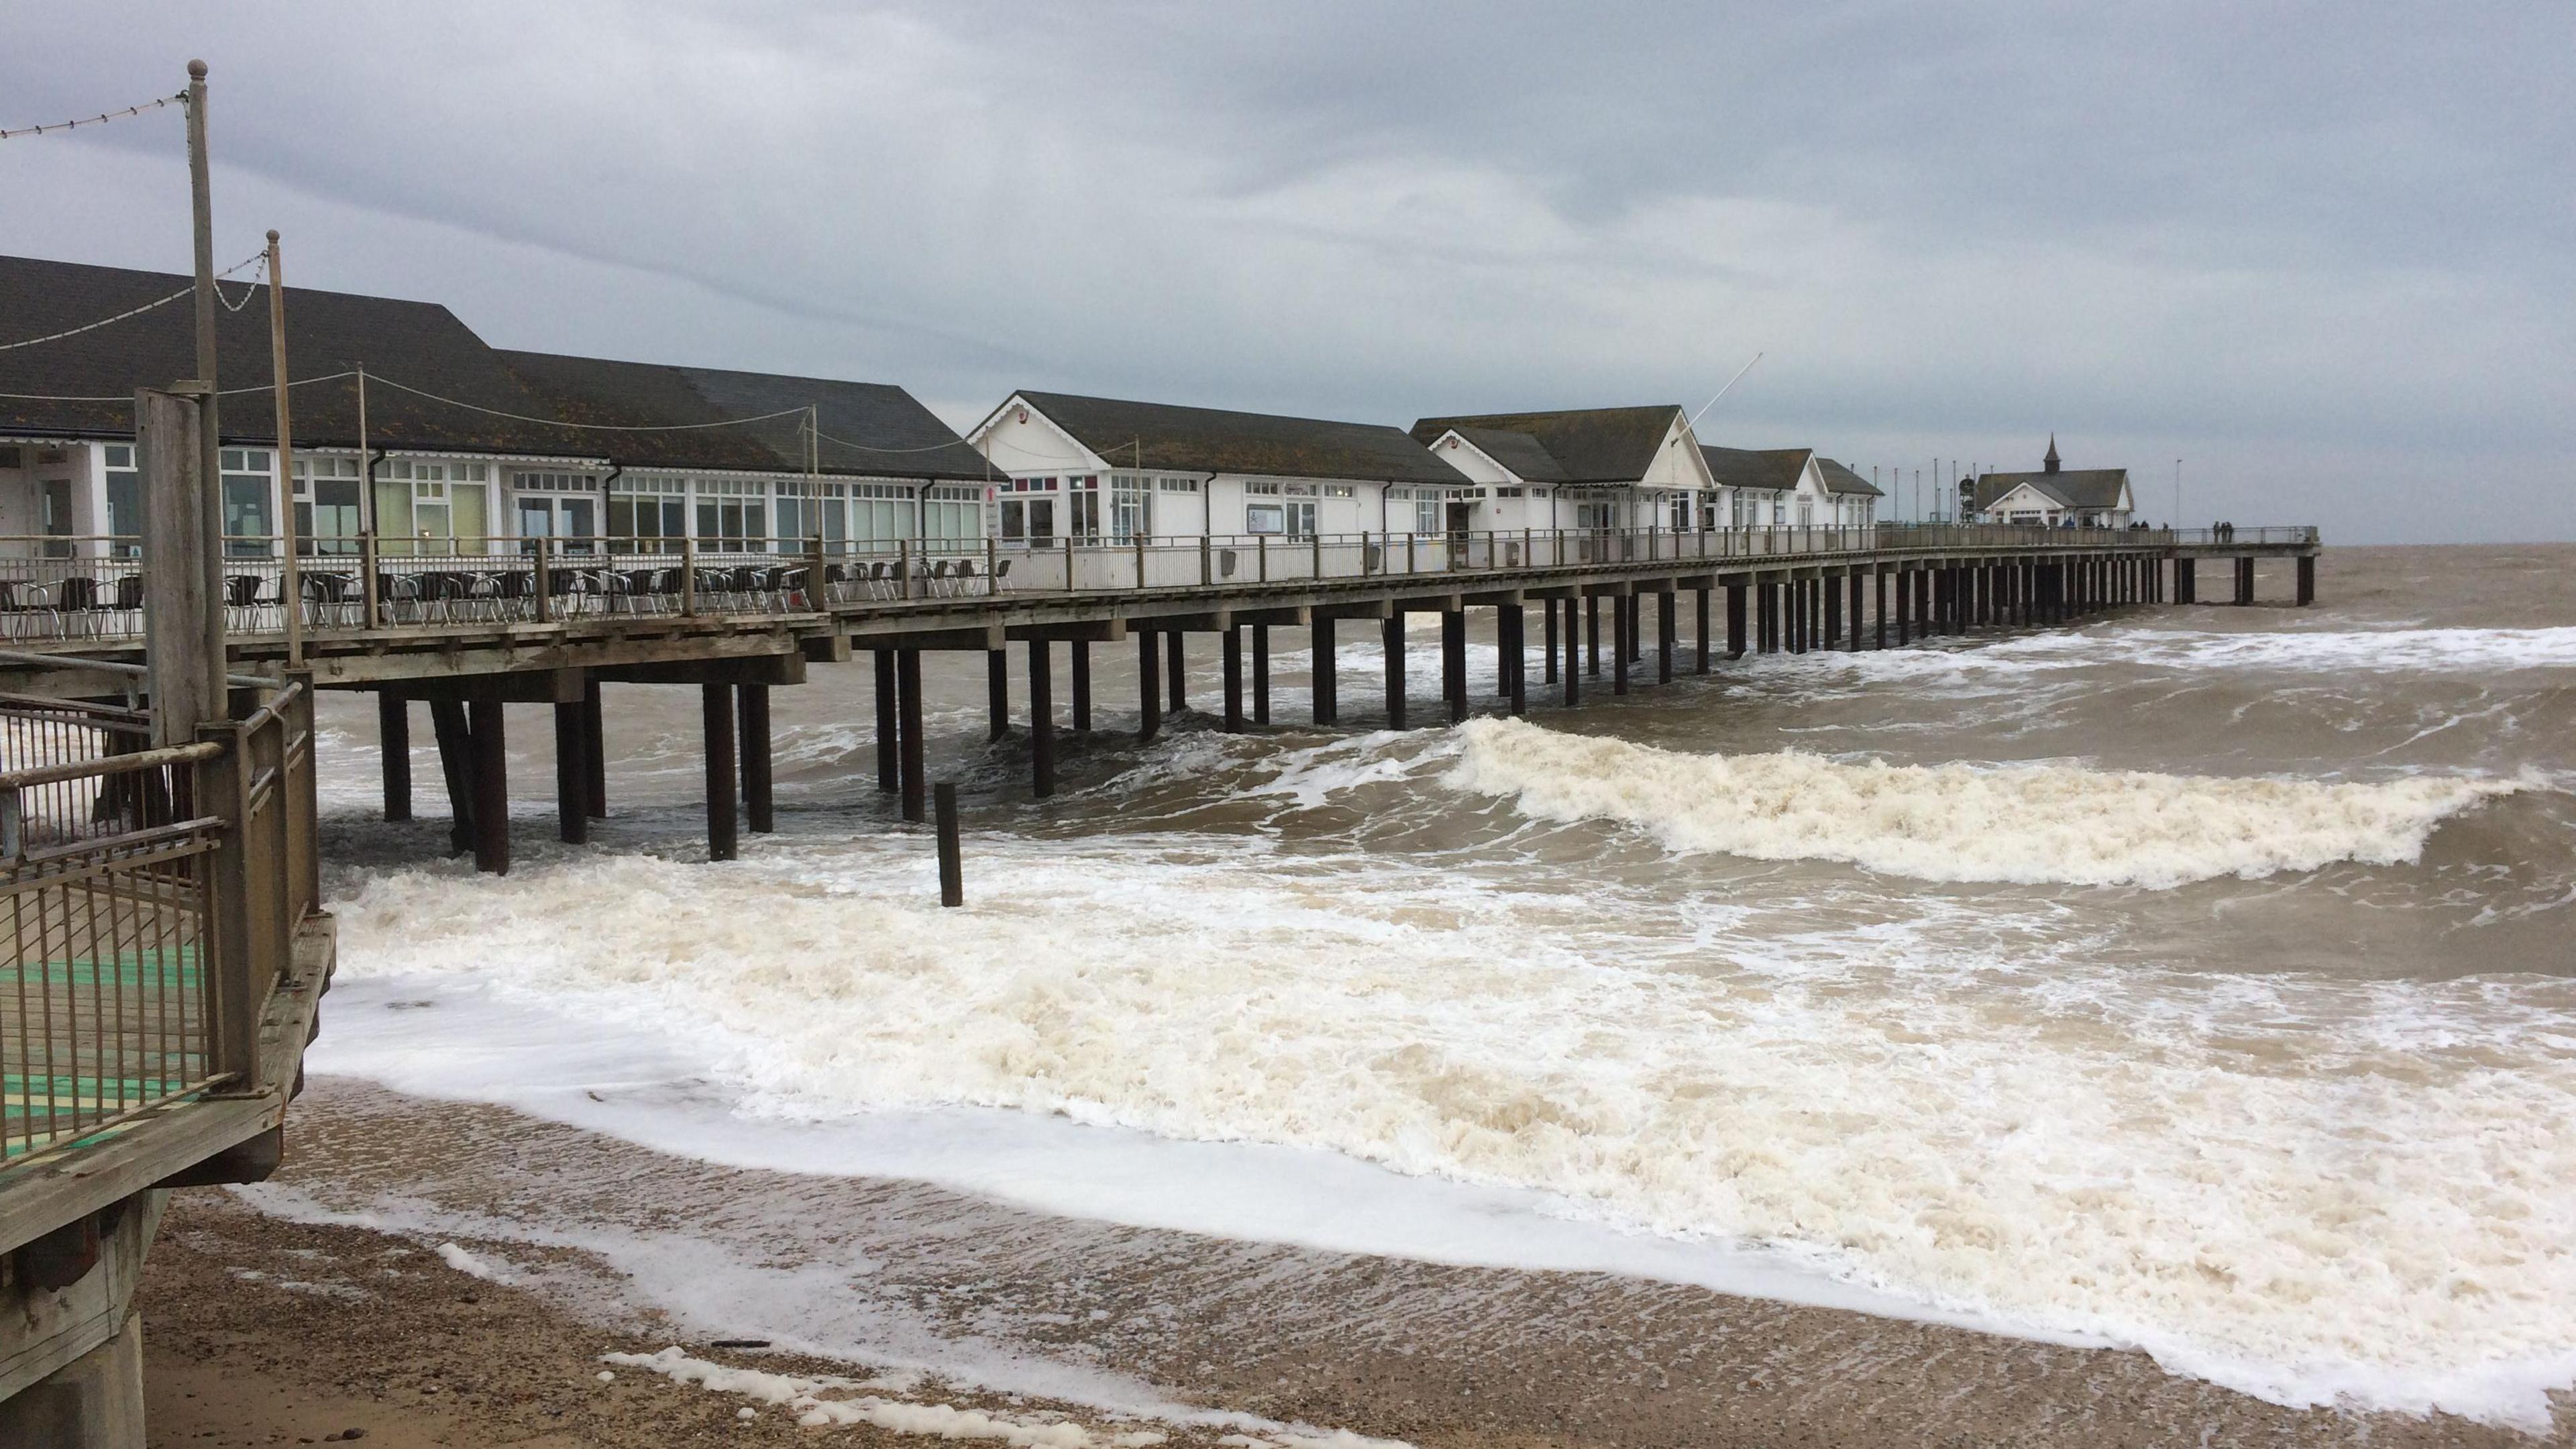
(868, 428)
(418, 343)
(1215, 440)
(1590, 445)
(1839, 479)
(2072, 487)
(1529, 462)
(1772, 469)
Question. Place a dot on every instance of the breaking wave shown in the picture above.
(2029, 824)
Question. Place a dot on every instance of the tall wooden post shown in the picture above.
(1149, 689)
(1176, 671)
(1392, 635)
(209, 513)
(1666, 627)
(1832, 633)
(1735, 640)
(2185, 591)
(1230, 653)
(1041, 718)
(1548, 674)
(1592, 635)
(290, 591)
(757, 780)
(491, 787)
(1453, 662)
(1261, 674)
(997, 693)
(2307, 582)
(1854, 588)
(1878, 585)
(1620, 622)
(889, 731)
(1699, 629)
(907, 689)
(594, 752)
(456, 763)
(1512, 624)
(1080, 649)
(715, 703)
(1325, 686)
(1573, 667)
(393, 738)
(572, 776)
(187, 688)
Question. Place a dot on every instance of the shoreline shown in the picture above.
(611, 1247)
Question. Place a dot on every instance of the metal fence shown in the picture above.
(79, 588)
(152, 896)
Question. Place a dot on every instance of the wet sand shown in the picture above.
(349, 1326)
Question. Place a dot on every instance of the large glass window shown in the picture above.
(733, 514)
(249, 488)
(1126, 507)
(124, 500)
(443, 507)
(957, 515)
(647, 514)
(329, 508)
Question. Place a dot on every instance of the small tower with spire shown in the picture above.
(2049, 463)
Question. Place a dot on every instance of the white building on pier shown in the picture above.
(2054, 497)
(1587, 468)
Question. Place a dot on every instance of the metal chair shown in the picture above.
(76, 595)
(941, 577)
(1000, 582)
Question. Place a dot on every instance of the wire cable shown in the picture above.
(590, 427)
(100, 119)
(139, 311)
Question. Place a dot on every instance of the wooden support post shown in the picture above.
(1667, 628)
(1762, 617)
(1620, 620)
(1081, 669)
(1041, 718)
(997, 693)
(1833, 621)
(491, 787)
(2307, 583)
(594, 753)
(572, 776)
(889, 765)
(715, 711)
(456, 763)
(907, 689)
(2245, 581)
(1393, 636)
(1573, 672)
(1904, 608)
(1547, 669)
(1857, 604)
(1176, 671)
(1324, 685)
(1511, 622)
(1735, 621)
(1230, 646)
(1699, 628)
(1453, 662)
(1149, 689)
(393, 737)
(2184, 591)
(1592, 637)
(952, 864)
(1923, 603)
(1261, 674)
(758, 781)
(1878, 585)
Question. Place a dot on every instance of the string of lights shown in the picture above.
(100, 119)
(587, 427)
(139, 311)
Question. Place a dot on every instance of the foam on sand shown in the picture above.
(2023, 823)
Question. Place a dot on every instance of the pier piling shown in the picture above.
(1261, 674)
(907, 689)
(2307, 580)
(393, 737)
(572, 777)
(1453, 662)
(1512, 623)
(491, 787)
(1735, 621)
(1079, 668)
(1322, 681)
(1175, 672)
(758, 795)
(1666, 629)
(716, 710)
(594, 752)
(1573, 673)
(889, 769)
(456, 763)
(1699, 629)
(1231, 647)
(1592, 636)
(997, 693)
(1149, 690)
(1392, 635)
(1041, 718)
(1621, 621)
(952, 865)
(1547, 670)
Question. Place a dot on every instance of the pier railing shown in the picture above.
(152, 896)
(57, 587)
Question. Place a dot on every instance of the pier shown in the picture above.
(528, 623)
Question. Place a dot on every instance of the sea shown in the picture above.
(2197, 979)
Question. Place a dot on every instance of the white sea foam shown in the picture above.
(2023, 823)
(2308, 1189)
(2127, 645)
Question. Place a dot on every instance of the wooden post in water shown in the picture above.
(1592, 635)
(1080, 649)
(1512, 623)
(757, 794)
(1176, 670)
(491, 787)
(1735, 621)
(1667, 630)
(572, 777)
(952, 865)
(1833, 627)
(1230, 662)
(1041, 718)
(1324, 686)
(1149, 689)
(889, 765)
(594, 753)
(2307, 581)
(1853, 588)
(1878, 585)
(716, 717)
(1620, 653)
(1261, 674)
(393, 736)
(2184, 592)
(1699, 629)
(455, 762)
(997, 693)
(1453, 662)
(1573, 674)
(907, 691)
(1392, 633)
(1547, 669)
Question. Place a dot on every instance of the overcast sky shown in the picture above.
(2326, 254)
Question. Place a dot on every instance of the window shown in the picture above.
(1301, 519)
(1126, 506)
(733, 514)
(956, 515)
(1340, 490)
(1602, 514)
(247, 492)
(329, 505)
(1178, 485)
(1265, 518)
(1681, 513)
(1262, 490)
(1426, 511)
(443, 507)
(647, 514)
(1806, 512)
(124, 497)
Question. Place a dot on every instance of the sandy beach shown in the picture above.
(358, 1327)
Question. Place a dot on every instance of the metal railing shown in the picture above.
(152, 896)
(450, 584)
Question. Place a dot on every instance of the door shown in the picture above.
(58, 517)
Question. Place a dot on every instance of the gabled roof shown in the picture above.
(420, 344)
(1774, 469)
(1519, 452)
(1215, 440)
(1842, 480)
(2071, 487)
(1590, 445)
(868, 428)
